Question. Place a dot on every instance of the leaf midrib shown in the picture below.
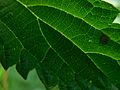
(65, 35)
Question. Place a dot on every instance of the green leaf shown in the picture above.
(72, 44)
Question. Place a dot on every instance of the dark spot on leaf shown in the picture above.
(104, 39)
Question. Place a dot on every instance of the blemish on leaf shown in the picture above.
(104, 39)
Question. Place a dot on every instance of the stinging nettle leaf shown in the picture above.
(72, 44)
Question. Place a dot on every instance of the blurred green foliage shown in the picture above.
(15, 82)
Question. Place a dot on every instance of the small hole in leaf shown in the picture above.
(104, 39)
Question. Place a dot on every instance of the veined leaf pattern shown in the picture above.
(72, 44)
